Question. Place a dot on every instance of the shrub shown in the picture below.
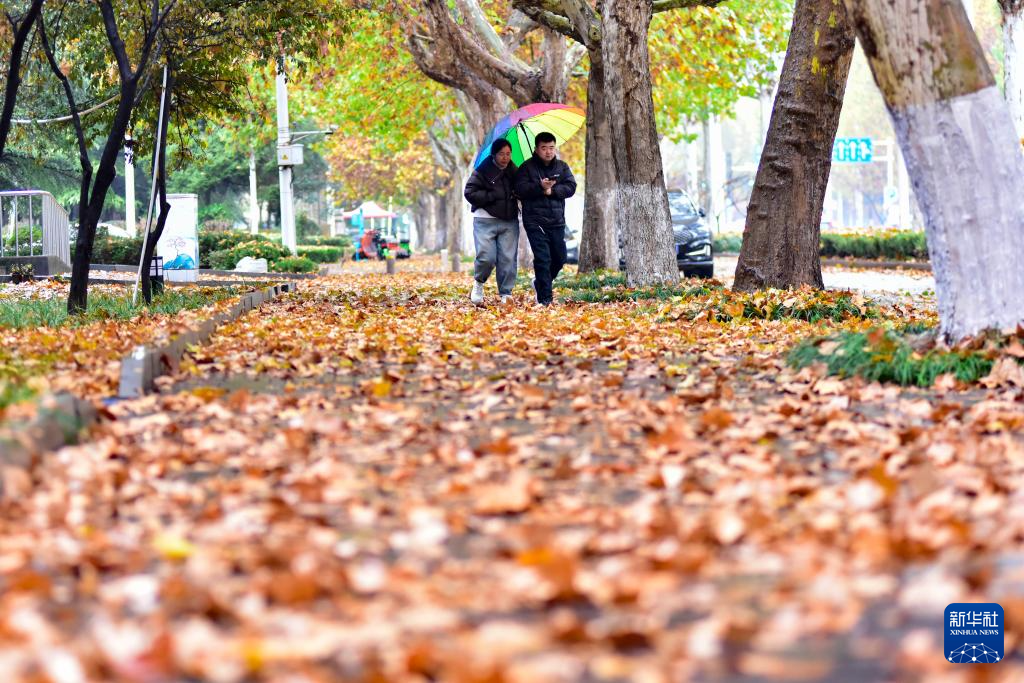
(294, 264)
(897, 245)
(322, 254)
(217, 211)
(107, 250)
(227, 259)
(216, 225)
(323, 241)
(728, 243)
(25, 240)
(216, 240)
(306, 227)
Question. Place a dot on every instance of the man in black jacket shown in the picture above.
(543, 183)
(491, 195)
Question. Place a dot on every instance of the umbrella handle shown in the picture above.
(528, 140)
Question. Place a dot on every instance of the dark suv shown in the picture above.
(694, 246)
(693, 243)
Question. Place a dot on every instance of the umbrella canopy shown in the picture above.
(522, 126)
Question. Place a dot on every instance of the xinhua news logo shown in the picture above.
(974, 633)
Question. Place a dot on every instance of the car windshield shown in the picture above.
(681, 206)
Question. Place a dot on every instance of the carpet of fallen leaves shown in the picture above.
(83, 359)
(372, 480)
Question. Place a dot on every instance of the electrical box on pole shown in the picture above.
(289, 155)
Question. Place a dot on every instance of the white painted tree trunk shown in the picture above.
(714, 170)
(693, 171)
(962, 153)
(1013, 64)
(254, 205)
(642, 210)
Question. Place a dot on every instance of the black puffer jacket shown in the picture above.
(538, 208)
(492, 189)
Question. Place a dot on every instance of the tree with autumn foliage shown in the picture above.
(15, 31)
(783, 226)
(496, 59)
(208, 45)
(686, 39)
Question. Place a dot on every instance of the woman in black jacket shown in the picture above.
(491, 193)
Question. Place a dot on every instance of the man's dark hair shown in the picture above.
(500, 144)
(543, 138)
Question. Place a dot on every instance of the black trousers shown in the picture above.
(548, 245)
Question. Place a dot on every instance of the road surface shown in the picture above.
(862, 280)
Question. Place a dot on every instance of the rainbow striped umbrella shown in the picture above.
(522, 126)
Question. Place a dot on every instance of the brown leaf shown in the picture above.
(516, 494)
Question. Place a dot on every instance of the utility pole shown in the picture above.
(284, 141)
(129, 186)
(288, 153)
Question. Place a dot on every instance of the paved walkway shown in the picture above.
(373, 480)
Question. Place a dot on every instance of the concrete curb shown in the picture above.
(141, 367)
(168, 284)
(209, 271)
(60, 419)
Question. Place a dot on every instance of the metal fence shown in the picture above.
(32, 223)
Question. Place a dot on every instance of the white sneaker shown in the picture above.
(506, 299)
(477, 296)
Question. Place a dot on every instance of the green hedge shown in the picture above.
(23, 238)
(227, 259)
(728, 243)
(895, 245)
(891, 245)
(220, 240)
(294, 264)
(107, 250)
(321, 241)
(321, 254)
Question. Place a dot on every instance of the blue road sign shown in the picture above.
(852, 151)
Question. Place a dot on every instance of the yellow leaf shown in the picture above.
(381, 388)
(173, 547)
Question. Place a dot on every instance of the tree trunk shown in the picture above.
(782, 232)
(599, 246)
(642, 210)
(962, 152)
(1013, 59)
(22, 30)
(90, 213)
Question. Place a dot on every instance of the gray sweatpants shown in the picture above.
(497, 244)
